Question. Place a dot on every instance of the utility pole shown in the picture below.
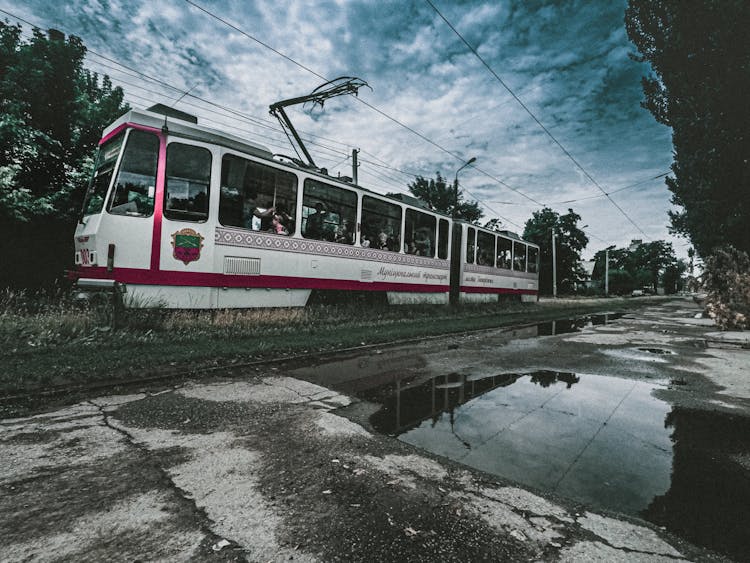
(554, 266)
(606, 272)
(355, 166)
(455, 184)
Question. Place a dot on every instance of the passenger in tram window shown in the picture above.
(285, 218)
(344, 234)
(381, 241)
(316, 222)
(257, 218)
(277, 225)
(422, 242)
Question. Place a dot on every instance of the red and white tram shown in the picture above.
(182, 216)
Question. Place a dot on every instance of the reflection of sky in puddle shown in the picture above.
(601, 440)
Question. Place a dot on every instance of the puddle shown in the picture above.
(708, 501)
(565, 326)
(604, 441)
(598, 440)
(660, 351)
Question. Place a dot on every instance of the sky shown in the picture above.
(545, 95)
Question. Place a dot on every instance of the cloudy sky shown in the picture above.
(433, 105)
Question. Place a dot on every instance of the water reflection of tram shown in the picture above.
(409, 403)
(179, 215)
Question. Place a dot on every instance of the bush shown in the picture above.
(727, 284)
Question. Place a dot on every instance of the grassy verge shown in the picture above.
(52, 342)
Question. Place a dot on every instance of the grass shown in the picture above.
(50, 340)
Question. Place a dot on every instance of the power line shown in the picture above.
(375, 109)
(534, 117)
(613, 191)
(257, 122)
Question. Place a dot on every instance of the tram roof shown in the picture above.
(196, 131)
(187, 129)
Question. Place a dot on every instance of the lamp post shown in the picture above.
(606, 270)
(455, 184)
(554, 266)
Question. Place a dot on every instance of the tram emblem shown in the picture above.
(187, 245)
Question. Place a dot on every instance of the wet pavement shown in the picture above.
(583, 443)
(612, 441)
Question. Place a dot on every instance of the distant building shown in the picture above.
(585, 282)
(635, 243)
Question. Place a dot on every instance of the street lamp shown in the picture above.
(606, 269)
(455, 184)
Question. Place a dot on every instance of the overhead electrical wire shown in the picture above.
(377, 110)
(258, 122)
(534, 117)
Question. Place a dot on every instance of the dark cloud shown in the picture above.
(567, 60)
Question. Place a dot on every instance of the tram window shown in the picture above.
(485, 249)
(519, 256)
(470, 237)
(381, 224)
(133, 192)
(328, 212)
(188, 178)
(249, 191)
(443, 238)
(106, 159)
(533, 265)
(419, 234)
(504, 253)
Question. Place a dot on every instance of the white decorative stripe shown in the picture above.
(254, 239)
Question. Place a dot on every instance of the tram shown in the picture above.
(178, 215)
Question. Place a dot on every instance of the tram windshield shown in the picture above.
(133, 192)
(102, 176)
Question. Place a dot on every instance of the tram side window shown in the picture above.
(485, 249)
(133, 192)
(443, 229)
(188, 179)
(106, 159)
(381, 224)
(519, 256)
(328, 212)
(258, 197)
(419, 234)
(533, 265)
(504, 253)
(470, 237)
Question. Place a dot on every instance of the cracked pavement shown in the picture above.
(264, 468)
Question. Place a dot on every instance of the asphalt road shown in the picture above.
(282, 464)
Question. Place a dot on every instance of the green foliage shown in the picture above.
(727, 283)
(700, 56)
(52, 112)
(447, 199)
(646, 264)
(570, 242)
(621, 281)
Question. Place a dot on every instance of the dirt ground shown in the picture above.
(262, 466)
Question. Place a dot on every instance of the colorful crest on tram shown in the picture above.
(187, 245)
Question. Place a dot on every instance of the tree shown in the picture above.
(440, 197)
(700, 57)
(52, 112)
(648, 264)
(570, 242)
